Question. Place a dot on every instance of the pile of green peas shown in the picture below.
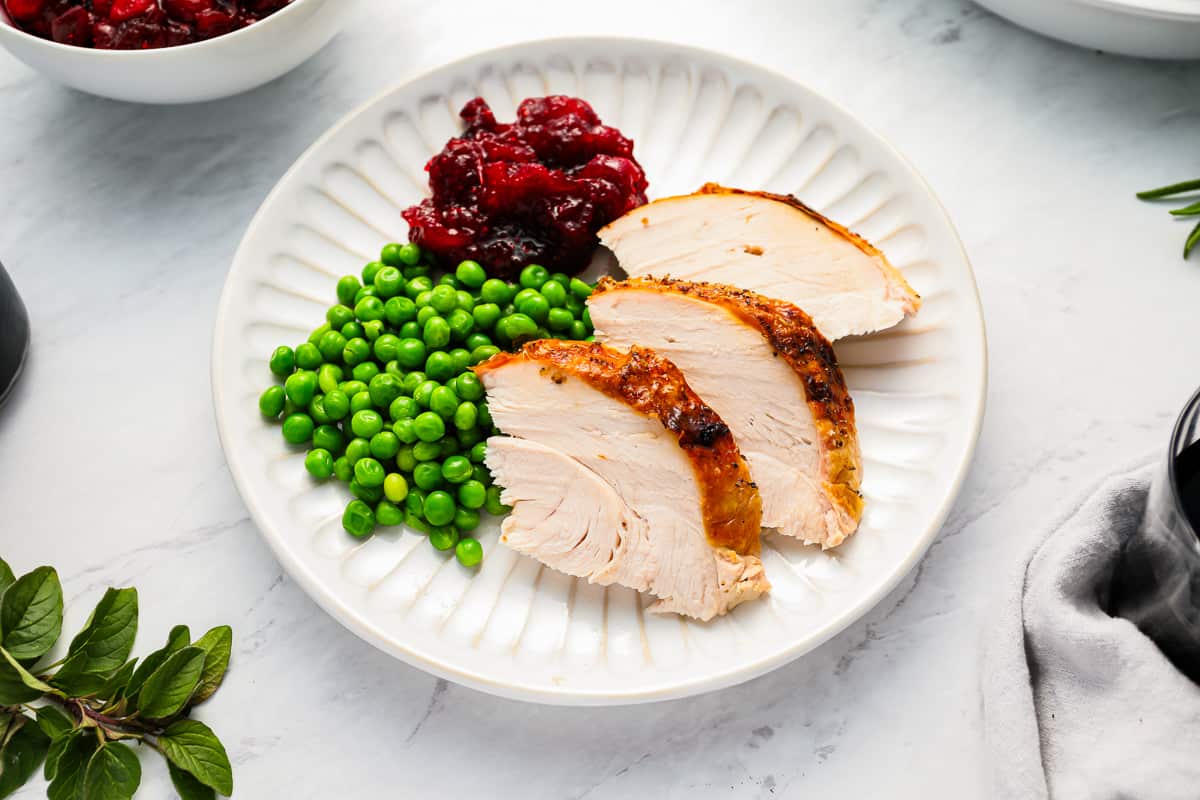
(383, 394)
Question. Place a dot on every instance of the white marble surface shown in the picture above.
(118, 223)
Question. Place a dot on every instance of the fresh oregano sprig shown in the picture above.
(1191, 210)
(78, 717)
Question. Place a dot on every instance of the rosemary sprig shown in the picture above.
(1191, 210)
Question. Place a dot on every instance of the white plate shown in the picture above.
(1144, 28)
(514, 628)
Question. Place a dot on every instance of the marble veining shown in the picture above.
(118, 222)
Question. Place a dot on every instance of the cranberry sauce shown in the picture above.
(136, 24)
(534, 191)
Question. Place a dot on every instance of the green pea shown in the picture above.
(403, 408)
(466, 416)
(415, 522)
(339, 315)
(416, 285)
(469, 437)
(578, 331)
(461, 358)
(492, 503)
(439, 366)
(385, 346)
(399, 310)
(480, 473)
(316, 410)
(389, 282)
(410, 353)
(406, 461)
(472, 494)
(369, 308)
(405, 430)
(366, 291)
(423, 300)
(329, 437)
(537, 308)
(523, 295)
(370, 271)
(355, 351)
(443, 537)
(357, 449)
(372, 330)
(471, 274)
(368, 494)
(469, 552)
(477, 340)
(456, 469)
(316, 335)
(534, 276)
(580, 289)
(443, 402)
(283, 361)
(587, 318)
(358, 519)
(443, 298)
(448, 446)
(319, 463)
(448, 279)
(343, 470)
(361, 402)
(409, 254)
(428, 475)
(485, 416)
(395, 488)
(272, 401)
(516, 327)
(347, 287)
(369, 472)
(385, 445)
(410, 330)
(495, 291)
(394, 369)
(297, 428)
(427, 451)
(411, 381)
(390, 255)
(423, 392)
(328, 377)
(366, 423)
(365, 371)
(479, 452)
(415, 502)
(384, 388)
(485, 315)
(439, 508)
(337, 405)
(559, 319)
(465, 519)
(424, 315)
(466, 300)
(429, 426)
(555, 294)
(352, 330)
(300, 388)
(353, 387)
(436, 333)
(328, 348)
(461, 324)
(481, 354)
(387, 514)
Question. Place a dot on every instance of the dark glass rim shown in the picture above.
(1184, 426)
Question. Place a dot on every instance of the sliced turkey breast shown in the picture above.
(771, 244)
(770, 375)
(620, 474)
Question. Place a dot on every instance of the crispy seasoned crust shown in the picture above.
(793, 336)
(652, 385)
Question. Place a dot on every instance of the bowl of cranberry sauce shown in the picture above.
(167, 51)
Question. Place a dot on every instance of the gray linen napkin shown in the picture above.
(1078, 704)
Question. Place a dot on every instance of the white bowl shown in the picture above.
(1144, 28)
(227, 65)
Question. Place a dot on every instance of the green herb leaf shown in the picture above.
(31, 614)
(17, 684)
(70, 766)
(172, 685)
(53, 722)
(117, 682)
(113, 773)
(22, 754)
(187, 786)
(74, 681)
(1186, 211)
(193, 747)
(105, 643)
(1167, 191)
(176, 641)
(217, 645)
(6, 576)
(179, 638)
(1192, 239)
